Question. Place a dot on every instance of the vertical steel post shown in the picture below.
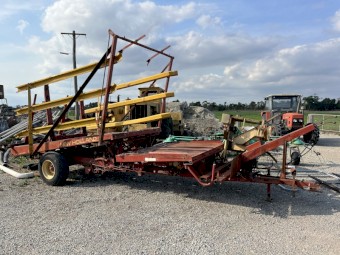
(269, 193)
(30, 122)
(167, 85)
(108, 87)
(284, 161)
(47, 99)
(82, 115)
(165, 90)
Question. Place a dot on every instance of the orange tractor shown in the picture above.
(284, 113)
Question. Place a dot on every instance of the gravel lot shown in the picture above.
(121, 214)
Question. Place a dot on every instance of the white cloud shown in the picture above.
(195, 49)
(213, 64)
(22, 24)
(12, 7)
(94, 17)
(124, 17)
(304, 60)
(335, 20)
(206, 21)
(302, 69)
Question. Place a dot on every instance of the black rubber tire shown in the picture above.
(312, 137)
(278, 130)
(295, 158)
(248, 167)
(53, 169)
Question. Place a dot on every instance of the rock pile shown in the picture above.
(197, 120)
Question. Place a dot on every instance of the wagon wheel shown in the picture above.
(295, 158)
(278, 130)
(53, 169)
(313, 136)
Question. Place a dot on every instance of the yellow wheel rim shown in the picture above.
(48, 169)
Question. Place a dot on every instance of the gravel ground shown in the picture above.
(121, 214)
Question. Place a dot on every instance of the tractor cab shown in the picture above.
(283, 103)
(284, 112)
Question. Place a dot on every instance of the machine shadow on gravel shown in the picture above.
(282, 205)
(329, 142)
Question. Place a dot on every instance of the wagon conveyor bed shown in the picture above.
(191, 152)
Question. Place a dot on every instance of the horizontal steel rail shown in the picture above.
(91, 123)
(64, 75)
(95, 93)
(132, 102)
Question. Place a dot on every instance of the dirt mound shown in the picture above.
(198, 121)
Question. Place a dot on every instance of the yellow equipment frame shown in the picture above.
(100, 121)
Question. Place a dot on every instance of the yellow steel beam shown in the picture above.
(94, 93)
(65, 75)
(135, 121)
(61, 126)
(91, 123)
(132, 101)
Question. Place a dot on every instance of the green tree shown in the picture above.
(328, 104)
(252, 105)
(311, 102)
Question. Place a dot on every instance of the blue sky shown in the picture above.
(225, 51)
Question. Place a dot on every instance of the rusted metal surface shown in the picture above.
(257, 149)
(156, 54)
(191, 152)
(20, 150)
(79, 92)
(203, 160)
(192, 171)
(107, 89)
(47, 99)
(111, 51)
(271, 145)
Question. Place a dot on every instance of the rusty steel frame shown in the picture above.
(33, 149)
(192, 152)
(68, 106)
(77, 140)
(200, 160)
(189, 154)
(108, 85)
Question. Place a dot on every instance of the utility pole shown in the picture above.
(74, 34)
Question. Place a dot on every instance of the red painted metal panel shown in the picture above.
(251, 154)
(192, 152)
(75, 141)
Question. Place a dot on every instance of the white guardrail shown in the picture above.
(325, 122)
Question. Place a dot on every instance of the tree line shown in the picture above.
(312, 103)
(212, 106)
